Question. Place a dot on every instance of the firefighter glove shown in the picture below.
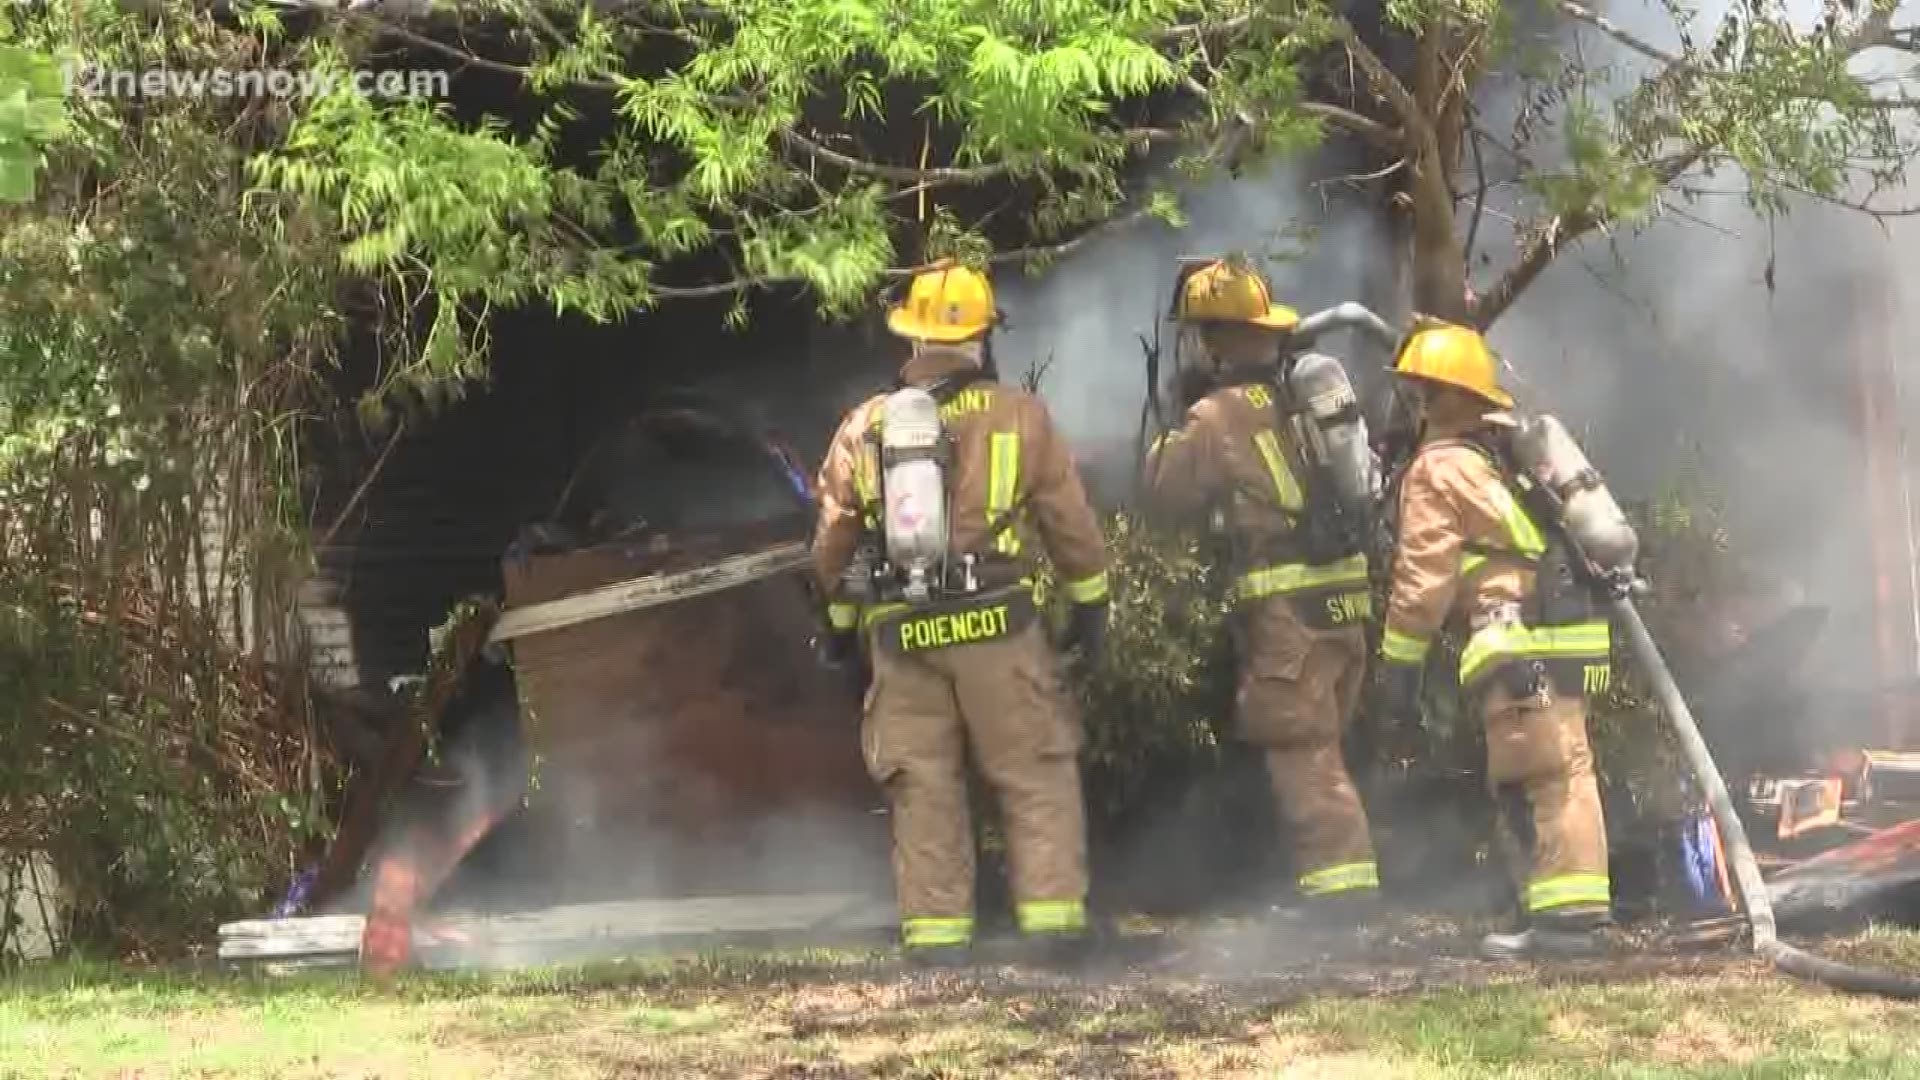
(837, 648)
(839, 651)
(1086, 632)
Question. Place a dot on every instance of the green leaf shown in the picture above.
(17, 170)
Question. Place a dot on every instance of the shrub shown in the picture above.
(165, 333)
(1157, 707)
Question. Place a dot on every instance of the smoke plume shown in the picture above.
(1719, 341)
(1081, 321)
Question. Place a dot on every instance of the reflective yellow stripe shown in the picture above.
(1051, 916)
(1471, 563)
(865, 488)
(1565, 890)
(1284, 485)
(1346, 877)
(842, 616)
(1297, 577)
(1089, 590)
(1003, 478)
(880, 611)
(920, 933)
(866, 472)
(1399, 648)
(1520, 527)
(1508, 641)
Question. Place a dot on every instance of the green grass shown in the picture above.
(1721, 1028)
(819, 1015)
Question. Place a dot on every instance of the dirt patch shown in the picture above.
(1698, 1036)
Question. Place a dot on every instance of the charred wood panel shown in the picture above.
(688, 740)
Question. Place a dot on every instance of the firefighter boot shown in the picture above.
(940, 957)
(1063, 950)
(1569, 936)
(1334, 913)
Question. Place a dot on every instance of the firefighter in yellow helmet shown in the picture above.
(1301, 596)
(1470, 555)
(932, 501)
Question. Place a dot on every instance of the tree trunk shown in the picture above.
(1439, 268)
(1439, 272)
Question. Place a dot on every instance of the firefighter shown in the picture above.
(1467, 552)
(959, 654)
(1301, 599)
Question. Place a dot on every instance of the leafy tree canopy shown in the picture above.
(836, 144)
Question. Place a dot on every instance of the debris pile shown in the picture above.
(687, 755)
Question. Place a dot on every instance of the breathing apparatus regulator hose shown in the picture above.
(1746, 872)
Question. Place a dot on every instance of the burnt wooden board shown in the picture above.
(1877, 876)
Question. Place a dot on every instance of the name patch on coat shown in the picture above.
(1344, 609)
(1334, 610)
(967, 621)
(958, 628)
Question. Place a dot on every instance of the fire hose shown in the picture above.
(1746, 871)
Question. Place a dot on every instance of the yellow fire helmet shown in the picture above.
(1454, 355)
(1221, 291)
(946, 303)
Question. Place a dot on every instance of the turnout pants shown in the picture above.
(1298, 690)
(1004, 698)
(1541, 748)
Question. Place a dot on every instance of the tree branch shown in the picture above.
(793, 139)
(1456, 98)
(1198, 30)
(1614, 30)
(999, 258)
(1375, 132)
(1559, 231)
(907, 174)
(1385, 82)
(1479, 200)
(464, 57)
(1223, 148)
(1533, 259)
(1065, 247)
(1356, 179)
(1864, 206)
(718, 288)
(1565, 229)
(904, 174)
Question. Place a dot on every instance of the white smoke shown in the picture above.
(613, 863)
(1667, 347)
(1084, 317)
(1664, 346)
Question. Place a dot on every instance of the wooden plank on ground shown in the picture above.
(678, 918)
(644, 592)
(615, 923)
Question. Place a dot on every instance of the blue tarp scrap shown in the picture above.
(1700, 861)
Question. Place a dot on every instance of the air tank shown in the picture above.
(914, 519)
(1544, 449)
(1335, 435)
